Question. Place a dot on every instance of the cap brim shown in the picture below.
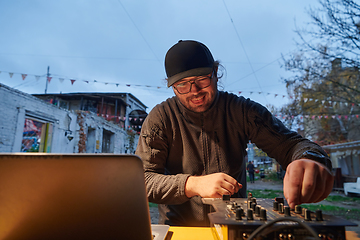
(193, 72)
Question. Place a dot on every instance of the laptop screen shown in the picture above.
(73, 196)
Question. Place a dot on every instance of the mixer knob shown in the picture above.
(298, 209)
(307, 215)
(257, 210)
(249, 204)
(287, 211)
(252, 206)
(250, 215)
(263, 214)
(319, 216)
(281, 208)
(276, 206)
(239, 212)
(226, 197)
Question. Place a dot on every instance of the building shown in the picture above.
(345, 159)
(69, 123)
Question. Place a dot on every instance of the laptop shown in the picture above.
(74, 196)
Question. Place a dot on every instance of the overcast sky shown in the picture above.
(119, 45)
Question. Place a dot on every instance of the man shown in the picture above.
(193, 145)
(250, 168)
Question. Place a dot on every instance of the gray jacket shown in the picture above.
(176, 143)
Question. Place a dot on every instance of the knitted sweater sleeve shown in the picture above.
(270, 135)
(153, 149)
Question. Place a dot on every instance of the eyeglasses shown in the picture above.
(200, 82)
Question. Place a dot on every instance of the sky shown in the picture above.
(120, 45)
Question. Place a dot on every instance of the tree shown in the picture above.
(325, 86)
(130, 147)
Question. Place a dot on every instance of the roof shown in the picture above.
(342, 146)
(92, 95)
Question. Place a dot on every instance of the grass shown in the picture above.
(337, 198)
(152, 204)
(266, 193)
(334, 210)
(268, 176)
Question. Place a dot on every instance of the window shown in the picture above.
(37, 136)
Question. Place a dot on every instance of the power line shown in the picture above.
(242, 45)
(139, 30)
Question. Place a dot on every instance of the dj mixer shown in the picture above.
(257, 218)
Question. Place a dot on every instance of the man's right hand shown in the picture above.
(211, 186)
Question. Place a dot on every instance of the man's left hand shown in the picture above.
(306, 181)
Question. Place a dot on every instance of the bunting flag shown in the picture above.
(314, 117)
(275, 95)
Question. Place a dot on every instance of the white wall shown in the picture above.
(15, 105)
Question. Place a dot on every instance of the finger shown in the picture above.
(292, 185)
(228, 187)
(328, 185)
(238, 187)
(310, 184)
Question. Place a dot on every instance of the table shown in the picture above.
(204, 233)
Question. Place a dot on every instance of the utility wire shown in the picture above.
(257, 70)
(242, 45)
(139, 31)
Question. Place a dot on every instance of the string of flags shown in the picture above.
(314, 117)
(72, 81)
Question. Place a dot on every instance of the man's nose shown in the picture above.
(194, 87)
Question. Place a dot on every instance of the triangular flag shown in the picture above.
(23, 76)
(72, 81)
(37, 77)
(61, 80)
(49, 79)
(11, 74)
